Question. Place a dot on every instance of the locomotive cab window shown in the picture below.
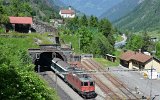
(91, 83)
(85, 83)
(81, 83)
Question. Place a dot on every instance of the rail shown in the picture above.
(102, 86)
(118, 84)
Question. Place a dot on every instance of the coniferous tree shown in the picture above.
(105, 27)
(147, 43)
(76, 22)
(93, 21)
(84, 21)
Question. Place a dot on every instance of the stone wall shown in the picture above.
(42, 27)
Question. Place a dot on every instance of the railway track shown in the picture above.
(49, 76)
(113, 80)
(110, 94)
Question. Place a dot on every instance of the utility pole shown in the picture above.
(152, 69)
(151, 79)
(56, 79)
(79, 43)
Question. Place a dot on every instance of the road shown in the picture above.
(121, 43)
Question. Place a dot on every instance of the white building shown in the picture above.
(67, 13)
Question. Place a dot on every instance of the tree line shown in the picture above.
(30, 8)
(143, 42)
(95, 36)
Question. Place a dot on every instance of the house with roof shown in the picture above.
(20, 24)
(67, 13)
(138, 60)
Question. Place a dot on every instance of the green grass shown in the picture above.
(106, 63)
(2, 30)
(42, 37)
(71, 39)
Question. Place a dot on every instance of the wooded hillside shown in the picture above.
(144, 18)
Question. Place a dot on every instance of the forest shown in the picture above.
(95, 36)
(33, 8)
(144, 42)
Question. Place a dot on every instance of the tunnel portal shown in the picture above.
(43, 56)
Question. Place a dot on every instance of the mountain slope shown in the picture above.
(45, 9)
(91, 7)
(144, 17)
(56, 3)
(121, 9)
(39, 9)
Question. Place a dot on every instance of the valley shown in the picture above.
(79, 49)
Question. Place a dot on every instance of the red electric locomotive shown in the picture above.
(75, 77)
(82, 83)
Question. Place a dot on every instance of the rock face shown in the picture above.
(41, 27)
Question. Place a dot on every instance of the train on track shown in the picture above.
(81, 82)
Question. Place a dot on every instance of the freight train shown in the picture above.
(81, 82)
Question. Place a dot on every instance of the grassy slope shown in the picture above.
(106, 63)
(73, 39)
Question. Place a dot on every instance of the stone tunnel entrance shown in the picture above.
(44, 60)
(42, 57)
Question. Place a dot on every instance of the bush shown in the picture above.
(18, 80)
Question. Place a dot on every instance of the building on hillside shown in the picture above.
(20, 24)
(67, 13)
(138, 60)
(111, 57)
